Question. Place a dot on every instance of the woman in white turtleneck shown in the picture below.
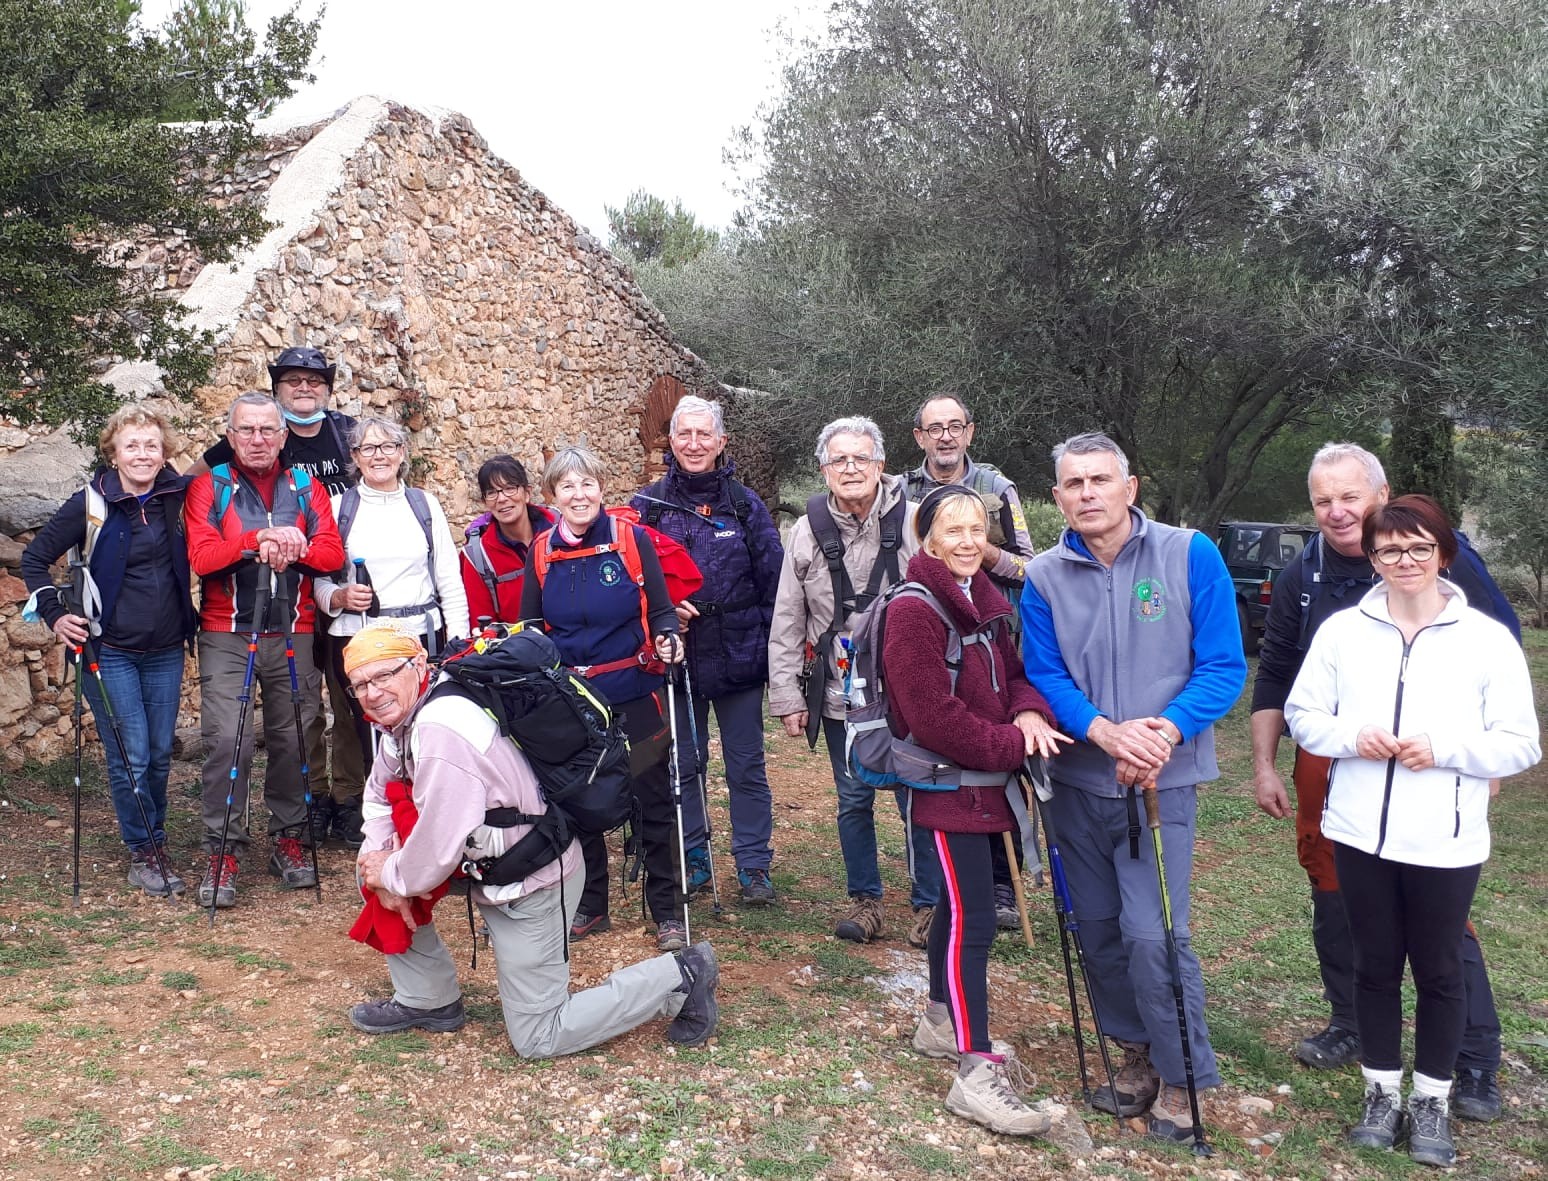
(413, 577)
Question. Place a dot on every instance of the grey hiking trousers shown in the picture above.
(542, 1017)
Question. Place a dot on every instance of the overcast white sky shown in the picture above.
(588, 99)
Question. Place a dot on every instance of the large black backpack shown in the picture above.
(564, 726)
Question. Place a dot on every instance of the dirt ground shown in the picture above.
(136, 1040)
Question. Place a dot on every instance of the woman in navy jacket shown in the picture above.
(595, 582)
(128, 523)
(991, 722)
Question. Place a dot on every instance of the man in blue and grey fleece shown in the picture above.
(1130, 632)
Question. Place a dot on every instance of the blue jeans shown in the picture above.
(143, 689)
(740, 716)
(1118, 902)
(857, 831)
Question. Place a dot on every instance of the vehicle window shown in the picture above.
(1246, 544)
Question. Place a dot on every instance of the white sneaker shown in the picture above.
(984, 1094)
(936, 1038)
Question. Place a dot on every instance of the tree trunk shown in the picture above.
(1423, 453)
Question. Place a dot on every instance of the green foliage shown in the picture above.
(1512, 490)
(645, 230)
(1044, 523)
(85, 160)
(1194, 225)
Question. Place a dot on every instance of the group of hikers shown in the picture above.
(1078, 686)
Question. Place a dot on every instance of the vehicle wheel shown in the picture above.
(1249, 637)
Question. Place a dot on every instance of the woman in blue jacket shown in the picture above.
(127, 525)
(595, 582)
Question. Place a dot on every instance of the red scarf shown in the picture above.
(377, 926)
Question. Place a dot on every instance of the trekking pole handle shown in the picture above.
(1152, 805)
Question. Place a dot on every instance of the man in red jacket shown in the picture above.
(256, 507)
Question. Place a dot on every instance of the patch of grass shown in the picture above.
(39, 951)
(935, 1161)
(160, 1151)
(111, 979)
(390, 1048)
(85, 1137)
(179, 981)
(17, 1037)
(242, 957)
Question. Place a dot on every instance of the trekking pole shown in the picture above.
(277, 593)
(80, 726)
(1153, 818)
(1069, 932)
(1016, 886)
(86, 651)
(677, 800)
(260, 623)
(701, 757)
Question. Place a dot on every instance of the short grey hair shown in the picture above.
(1090, 443)
(382, 426)
(1331, 453)
(255, 398)
(854, 425)
(569, 461)
(693, 404)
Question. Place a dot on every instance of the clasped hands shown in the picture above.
(1414, 752)
(1140, 747)
(281, 546)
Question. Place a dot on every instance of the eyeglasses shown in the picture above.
(504, 492)
(247, 432)
(357, 689)
(370, 449)
(1391, 555)
(310, 379)
(954, 429)
(850, 463)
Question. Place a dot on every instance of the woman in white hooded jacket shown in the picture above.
(1420, 700)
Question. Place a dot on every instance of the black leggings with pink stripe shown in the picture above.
(961, 935)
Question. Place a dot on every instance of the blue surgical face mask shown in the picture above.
(318, 416)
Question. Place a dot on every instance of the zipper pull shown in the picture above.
(1403, 668)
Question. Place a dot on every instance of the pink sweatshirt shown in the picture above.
(458, 764)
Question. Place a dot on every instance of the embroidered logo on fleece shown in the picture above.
(610, 572)
(1149, 599)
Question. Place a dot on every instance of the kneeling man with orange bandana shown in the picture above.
(442, 764)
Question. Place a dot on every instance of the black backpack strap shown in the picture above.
(825, 530)
(1311, 567)
(420, 504)
(349, 505)
(887, 563)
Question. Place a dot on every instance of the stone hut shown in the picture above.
(452, 295)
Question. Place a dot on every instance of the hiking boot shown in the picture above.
(584, 924)
(1136, 1082)
(1429, 1132)
(347, 821)
(983, 1093)
(696, 1021)
(219, 884)
(699, 872)
(935, 1037)
(863, 922)
(1006, 916)
(1476, 1096)
(290, 863)
(318, 823)
(145, 872)
(388, 1016)
(1381, 1123)
(1171, 1115)
(1330, 1049)
(671, 935)
(757, 889)
(919, 933)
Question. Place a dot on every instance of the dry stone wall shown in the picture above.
(453, 297)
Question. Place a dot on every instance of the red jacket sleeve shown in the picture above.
(211, 550)
(914, 653)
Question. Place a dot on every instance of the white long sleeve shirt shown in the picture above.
(1462, 681)
(389, 537)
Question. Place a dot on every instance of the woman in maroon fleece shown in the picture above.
(993, 721)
